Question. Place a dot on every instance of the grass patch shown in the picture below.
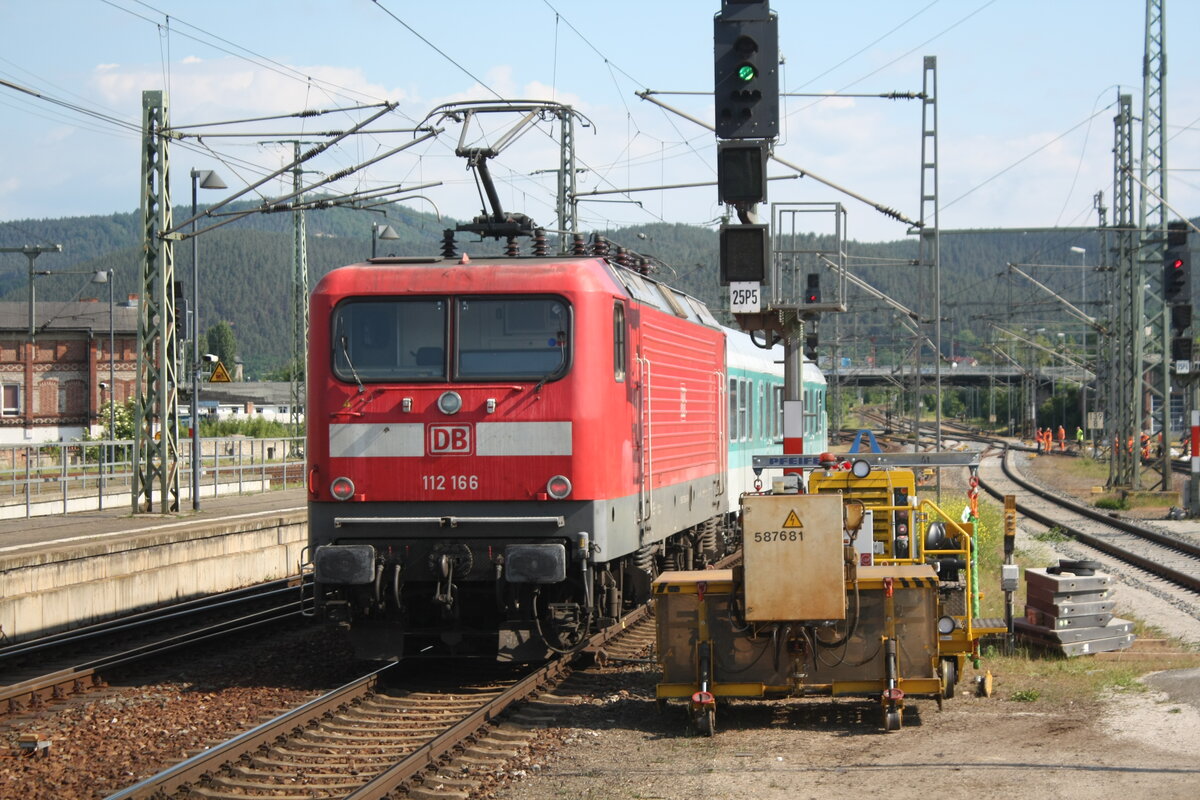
(1034, 675)
(1112, 503)
(1088, 469)
(1052, 536)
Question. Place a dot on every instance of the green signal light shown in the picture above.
(747, 72)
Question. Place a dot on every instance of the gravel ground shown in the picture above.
(1136, 743)
(615, 743)
(109, 739)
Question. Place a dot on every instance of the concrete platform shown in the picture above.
(65, 571)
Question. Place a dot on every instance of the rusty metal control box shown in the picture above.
(792, 549)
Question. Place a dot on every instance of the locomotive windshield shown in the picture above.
(494, 338)
(388, 340)
(512, 338)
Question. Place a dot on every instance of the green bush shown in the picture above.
(255, 428)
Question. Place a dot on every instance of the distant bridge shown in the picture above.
(959, 375)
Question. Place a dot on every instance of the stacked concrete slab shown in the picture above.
(1071, 612)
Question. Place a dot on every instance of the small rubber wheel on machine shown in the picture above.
(1080, 568)
(949, 676)
(891, 719)
(706, 721)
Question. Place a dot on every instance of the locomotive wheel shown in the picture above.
(891, 719)
(949, 676)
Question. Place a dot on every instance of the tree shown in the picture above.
(221, 342)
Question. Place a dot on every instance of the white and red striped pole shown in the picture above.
(1193, 497)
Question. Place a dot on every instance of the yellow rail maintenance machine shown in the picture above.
(855, 588)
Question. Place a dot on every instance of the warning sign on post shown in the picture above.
(220, 374)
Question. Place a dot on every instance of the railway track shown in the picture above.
(365, 741)
(1160, 554)
(76, 661)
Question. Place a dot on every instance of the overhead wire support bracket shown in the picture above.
(287, 169)
(800, 171)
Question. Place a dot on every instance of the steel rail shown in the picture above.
(75, 678)
(1164, 540)
(201, 764)
(425, 757)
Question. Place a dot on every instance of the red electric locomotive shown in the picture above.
(504, 451)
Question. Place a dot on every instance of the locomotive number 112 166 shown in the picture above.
(440, 483)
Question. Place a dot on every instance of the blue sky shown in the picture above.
(1018, 83)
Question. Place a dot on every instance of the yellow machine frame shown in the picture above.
(917, 631)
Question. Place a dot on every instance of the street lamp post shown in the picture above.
(1082, 251)
(204, 179)
(106, 276)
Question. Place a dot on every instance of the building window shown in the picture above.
(10, 393)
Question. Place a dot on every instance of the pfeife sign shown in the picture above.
(745, 253)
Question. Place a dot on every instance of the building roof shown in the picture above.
(265, 393)
(70, 315)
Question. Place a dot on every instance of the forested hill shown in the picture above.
(246, 268)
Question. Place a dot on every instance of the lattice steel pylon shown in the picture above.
(930, 248)
(1152, 227)
(1127, 343)
(299, 367)
(156, 416)
(566, 202)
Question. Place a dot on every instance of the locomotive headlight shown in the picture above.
(342, 488)
(946, 625)
(449, 403)
(558, 487)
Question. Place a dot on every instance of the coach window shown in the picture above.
(619, 341)
(733, 403)
(743, 410)
(390, 340)
(513, 338)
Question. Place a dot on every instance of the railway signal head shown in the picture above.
(812, 291)
(746, 70)
(1177, 278)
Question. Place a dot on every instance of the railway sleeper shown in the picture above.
(445, 779)
(423, 793)
(271, 787)
(339, 777)
(349, 728)
(382, 738)
(491, 750)
(327, 754)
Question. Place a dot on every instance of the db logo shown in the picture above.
(448, 440)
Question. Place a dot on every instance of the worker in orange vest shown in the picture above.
(1062, 439)
(1049, 440)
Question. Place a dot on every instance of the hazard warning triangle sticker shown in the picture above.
(792, 520)
(220, 374)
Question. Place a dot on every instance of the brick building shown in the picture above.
(53, 390)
